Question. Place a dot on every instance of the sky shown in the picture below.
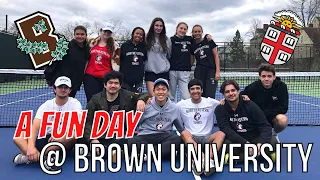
(220, 18)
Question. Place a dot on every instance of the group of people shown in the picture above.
(255, 115)
(143, 58)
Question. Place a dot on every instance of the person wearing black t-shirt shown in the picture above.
(133, 54)
(243, 121)
(181, 61)
(207, 62)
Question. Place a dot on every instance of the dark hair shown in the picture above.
(194, 82)
(266, 67)
(143, 35)
(197, 25)
(113, 75)
(180, 24)
(80, 28)
(162, 37)
(228, 82)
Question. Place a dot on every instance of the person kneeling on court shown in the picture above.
(31, 147)
(156, 124)
(271, 95)
(197, 116)
(242, 122)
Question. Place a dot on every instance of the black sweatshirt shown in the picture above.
(132, 58)
(181, 53)
(272, 101)
(244, 124)
(73, 64)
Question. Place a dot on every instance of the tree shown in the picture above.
(120, 32)
(255, 24)
(237, 48)
(306, 9)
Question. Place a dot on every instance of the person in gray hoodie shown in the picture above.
(156, 124)
(158, 53)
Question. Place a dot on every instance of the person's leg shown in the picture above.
(138, 141)
(126, 86)
(236, 152)
(199, 73)
(211, 83)
(92, 86)
(166, 139)
(183, 80)
(149, 79)
(138, 87)
(173, 84)
(73, 93)
(22, 144)
(280, 122)
(215, 138)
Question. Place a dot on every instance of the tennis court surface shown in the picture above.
(23, 90)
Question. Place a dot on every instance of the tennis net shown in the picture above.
(22, 90)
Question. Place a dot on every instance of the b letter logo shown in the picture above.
(39, 40)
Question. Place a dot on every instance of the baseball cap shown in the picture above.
(62, 80)
(107, 27)
(161, 80)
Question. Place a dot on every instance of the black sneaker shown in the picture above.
(51, 168)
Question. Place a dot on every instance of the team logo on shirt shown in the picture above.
(135, 60)
(197, 117)
(240, 127)
(98, 59)
(159, 125)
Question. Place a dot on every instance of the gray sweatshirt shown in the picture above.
(158, 60)
(159, 120)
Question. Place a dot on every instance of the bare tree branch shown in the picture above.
(255, 24)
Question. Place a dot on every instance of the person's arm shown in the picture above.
(261, 122)
(216, 59)
(224, 126)
(282, 107)
(169, 44)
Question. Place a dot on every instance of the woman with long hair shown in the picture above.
(158, 50)
(103, 49)
(133, 54)
(207, 62)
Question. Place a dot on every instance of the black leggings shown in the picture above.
(207, 75)
(92, 85)
(165, 139)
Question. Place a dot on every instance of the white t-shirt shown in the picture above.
(50, 105)
(198, 118)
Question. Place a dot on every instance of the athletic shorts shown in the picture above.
(40, 143)
(201, 140)
(150, 76)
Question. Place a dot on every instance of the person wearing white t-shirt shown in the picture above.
(197, 114)
(31, 147)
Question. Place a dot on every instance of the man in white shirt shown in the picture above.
(31, 147)
(197, 115)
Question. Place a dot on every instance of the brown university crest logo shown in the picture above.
(37, 38)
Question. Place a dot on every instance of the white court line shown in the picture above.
(305, 103)
(195, 176)
(24, 99)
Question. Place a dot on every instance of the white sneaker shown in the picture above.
(21, 159)
(212, 168)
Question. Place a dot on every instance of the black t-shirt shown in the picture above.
(203, 53)
(113, 106)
